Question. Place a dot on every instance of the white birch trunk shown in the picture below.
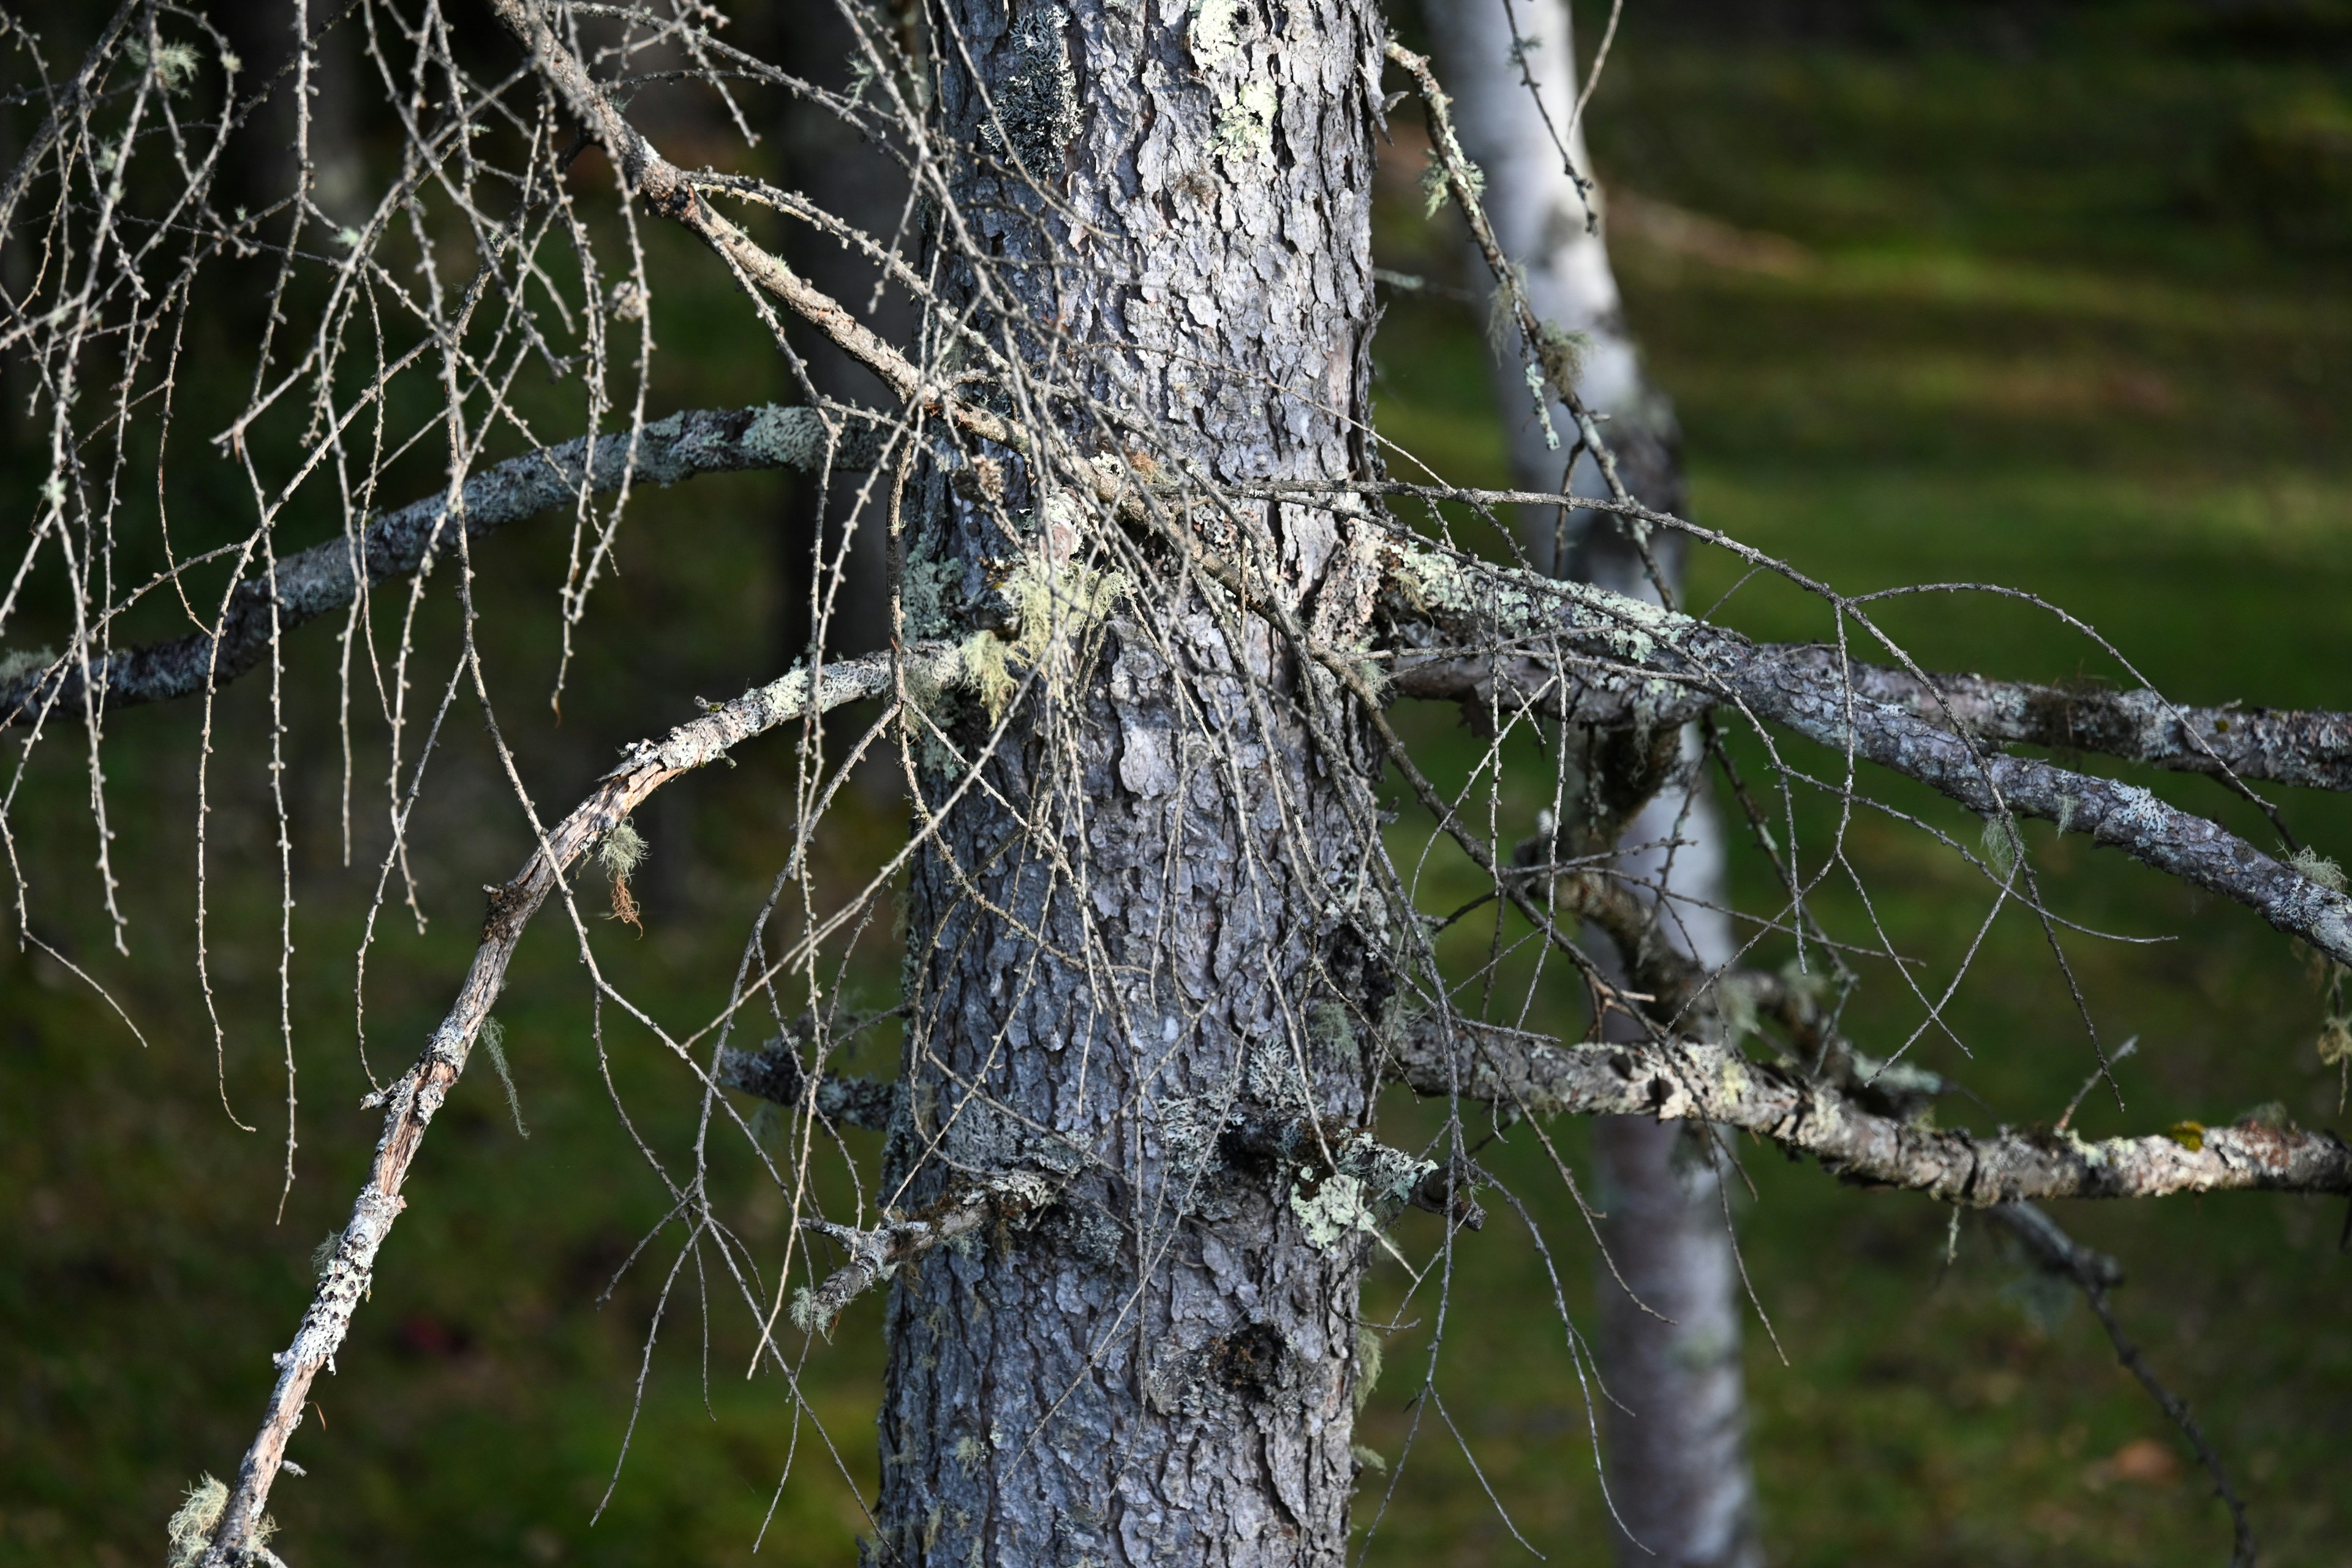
(1678, 1470)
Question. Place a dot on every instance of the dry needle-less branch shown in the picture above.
(1008, 1201)
(310, 584)
(412, 1100)
(2094, 1273)
(2313, 749)
(1716, 1084)
(1796, 688)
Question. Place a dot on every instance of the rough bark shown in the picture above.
(2312, 750)
(1677, 1464)
(1637, 650)
(1694, 1081)
(1161, 1371)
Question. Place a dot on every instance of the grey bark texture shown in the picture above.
(1678, 1470)
(1161, 1369)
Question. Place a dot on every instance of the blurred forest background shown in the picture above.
(2055, 296)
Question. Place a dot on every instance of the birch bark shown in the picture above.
(1161, 1369)
(1678, 1470)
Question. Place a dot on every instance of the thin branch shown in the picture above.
(1008, 1201)
(1813, 695)
(320, 580)
(2094, 1273)
(412, 1100)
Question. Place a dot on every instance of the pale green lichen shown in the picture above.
(1735, 1001)
(1508, 605)
(1216, 29)
(1052, 605)
(174, 63)
(2002, 847)
(1327, 1028)
(2318, 867)
(1332, 1212)
(15, 664)
(1245, 122)
(493, 1039)
(1372, 1185)
(792, 437)
(1368, 1354)
(622, 849)
(1730, 1081)
(190, 1529)
(923, 596)
(1436, 185)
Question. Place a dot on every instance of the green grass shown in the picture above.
(2028, 349)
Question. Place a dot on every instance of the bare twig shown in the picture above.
(412, 1100)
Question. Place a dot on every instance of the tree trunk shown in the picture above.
(1678, 1470)
(1161, 1369)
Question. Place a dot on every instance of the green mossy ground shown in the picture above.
(2033, 344)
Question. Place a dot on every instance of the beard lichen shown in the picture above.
(1052, 605)
(190, 1529)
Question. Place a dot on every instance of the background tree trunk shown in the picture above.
(1161, 1371)
(1678, 1470)
(828, 162)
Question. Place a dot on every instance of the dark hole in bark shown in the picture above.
(1246, 1361)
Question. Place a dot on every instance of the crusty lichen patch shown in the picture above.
(1331, 1211)
(1371, 1187)
(1508, 605)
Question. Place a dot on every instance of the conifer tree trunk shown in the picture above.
(1677, 1467)
(1161, 1369)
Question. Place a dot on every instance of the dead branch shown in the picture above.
(1009, 1200)
(320, 579)
(412, 1100)
(2094, 1273)
(1684, 1081)
(1796, 689)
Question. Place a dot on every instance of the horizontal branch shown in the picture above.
(412, 1100)
(1643, 655)
(2313, 749)
(1009, 1200)
(2310, 749)
(322, 578)
(774, 1073)
(1685, 1081)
